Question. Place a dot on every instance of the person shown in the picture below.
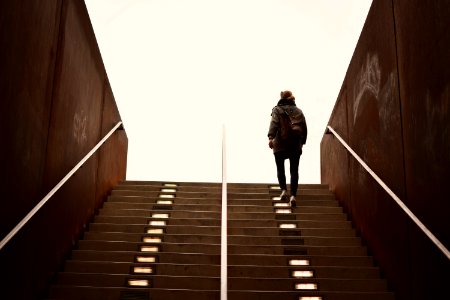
(287, 147)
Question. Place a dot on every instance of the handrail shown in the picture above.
(224, 231)
(55, 189)
(402, 205)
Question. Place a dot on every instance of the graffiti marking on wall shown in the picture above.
(368, 80)
(388, 111)
(79, 127)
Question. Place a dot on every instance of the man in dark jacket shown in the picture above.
(287, 147)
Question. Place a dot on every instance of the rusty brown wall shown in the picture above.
(393, 111)
(56, 105)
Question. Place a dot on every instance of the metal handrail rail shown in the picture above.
(224, 229)
(22, 223)
(402, 205)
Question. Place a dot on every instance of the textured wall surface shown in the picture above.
(56, 105)
(393, 111)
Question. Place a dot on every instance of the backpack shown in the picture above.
(291, 125)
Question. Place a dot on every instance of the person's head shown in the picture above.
(287, 95)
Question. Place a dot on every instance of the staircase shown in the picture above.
(154, 240)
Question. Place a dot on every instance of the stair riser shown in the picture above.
(119, 280)
(148, 213)
(136, 237)
(250, 189)
(95, 293)
(162, 247)
(283, 260)
(261, 231)
(271, 284)
(170, 229)
(158, 269)
(130, 256)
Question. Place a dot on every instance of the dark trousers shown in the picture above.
(294, 160)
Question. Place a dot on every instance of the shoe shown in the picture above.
(292, 201)
(284, 195)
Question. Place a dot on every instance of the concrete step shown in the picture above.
(271, 231)
(283, 260)
(160, 247)
(326, 295)
(176, 201)
(205, 195)
(336, 272)
(305, 201)
(217, 194)
(311, 200)
(170, 229)
(144, 220)
(252, 223)
(103, 217)
(297, 250)
(137, 238)
(328, 272)
(120, 280)
(148, 213)
(153, 206)
(270, 209)
(234, 259)
(213, 283)
(301, 240)
(110, 293)
(157, 268)
(294, 216)
(326, 284)
(230, 185)
(232, 248)
(130, 256)
(141, 210)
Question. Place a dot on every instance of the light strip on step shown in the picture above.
(139, 282)
(302, 274)
(143, 270)
(281, 204)
(166, 196)
(168, 190)
(151, 239)
(160, 216)
(306, 286)
(288, 226)
(283, 211)
(155, 230)
(310, 298)
(275, 188)
(145, 259)
(170, 184)
(164, 202)
(299, 262)
(149, 249)
(157, 223)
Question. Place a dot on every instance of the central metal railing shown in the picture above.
(400, 203)
(224, 231)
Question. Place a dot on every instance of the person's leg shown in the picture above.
(279, 160)
(294, 160)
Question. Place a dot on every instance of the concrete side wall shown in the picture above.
(56, 105)
(393, 110)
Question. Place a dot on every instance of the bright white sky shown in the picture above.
(181, 69)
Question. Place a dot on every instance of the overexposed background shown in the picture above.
(181, 69)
